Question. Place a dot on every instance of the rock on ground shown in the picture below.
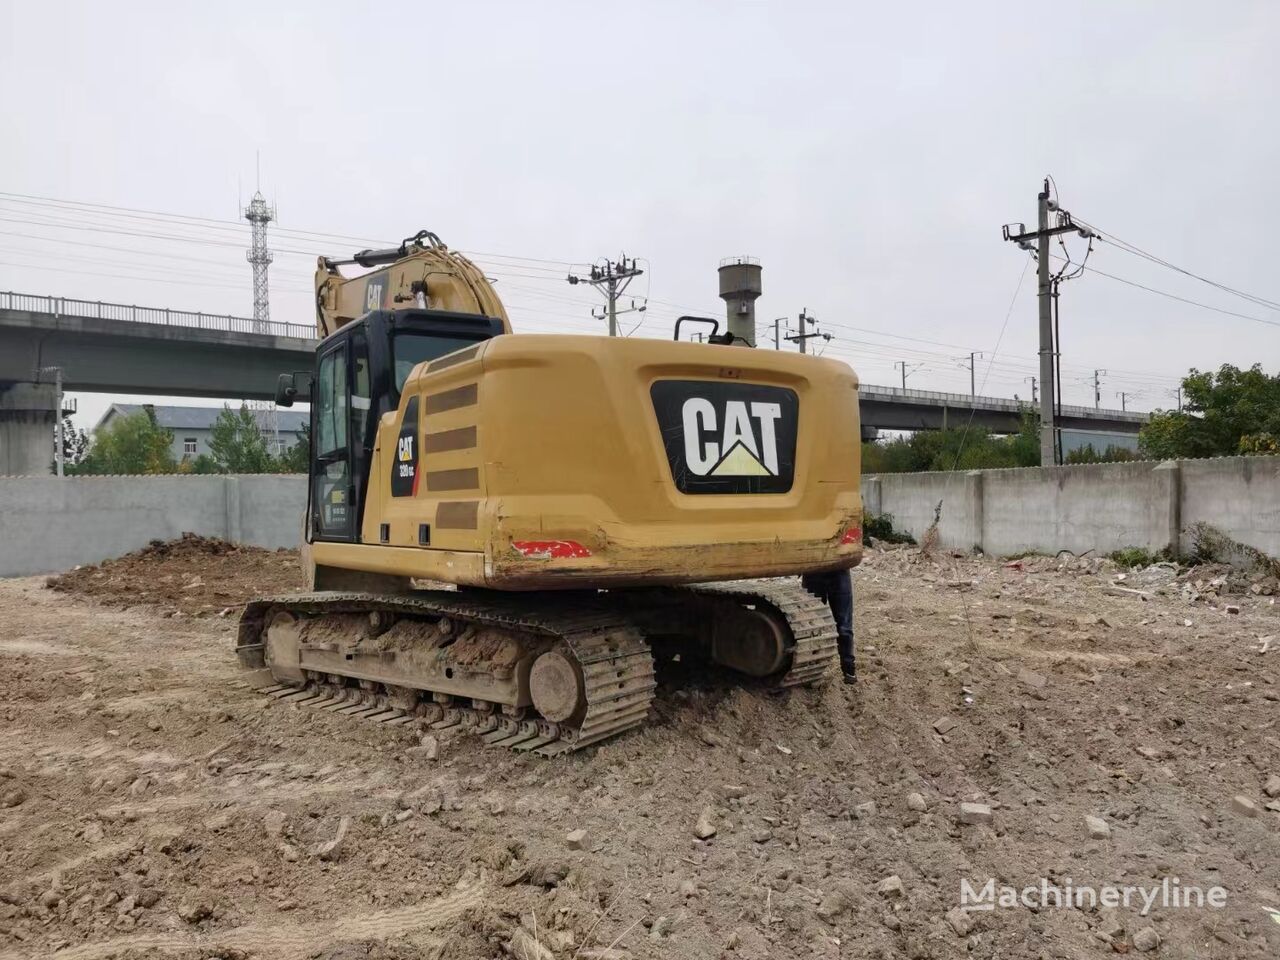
(973, 813)
(1146, 940)
(1097, 827)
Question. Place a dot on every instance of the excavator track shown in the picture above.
(808, 619)
(609, 656)
(600, 637)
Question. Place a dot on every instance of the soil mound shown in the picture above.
(193, 576)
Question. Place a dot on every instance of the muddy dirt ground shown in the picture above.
(152, 806)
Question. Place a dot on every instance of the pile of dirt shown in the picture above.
(1011, 723)
(193, 576)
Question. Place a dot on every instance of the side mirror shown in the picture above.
(286, 390)
(715, 326)
(715, 336)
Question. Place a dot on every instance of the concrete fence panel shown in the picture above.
(48, 524)
(913, 499)
(1101, 507)
(1089, 507)
(1240, 496)
(271, 509)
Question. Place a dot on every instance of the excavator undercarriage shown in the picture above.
(548, 674)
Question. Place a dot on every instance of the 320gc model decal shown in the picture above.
(404, 465)
(727, 437)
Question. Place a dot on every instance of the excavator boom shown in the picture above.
(422, 273)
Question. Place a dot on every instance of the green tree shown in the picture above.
(236, 443)
(131, 444)
(1226, 413)
(1025, 444)
(1112, 454)
(203, 464)
(956, 448)
(297, 458)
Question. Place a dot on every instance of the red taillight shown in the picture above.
(852, 535)
(550, 549)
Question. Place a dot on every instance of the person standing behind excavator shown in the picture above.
(836, 588)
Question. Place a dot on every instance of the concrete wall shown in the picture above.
(1238, 495)
(48, 524)
(1101, 507)
(913, 498)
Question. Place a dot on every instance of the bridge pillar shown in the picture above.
(28, 416)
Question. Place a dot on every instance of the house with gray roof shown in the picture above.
(191, 426)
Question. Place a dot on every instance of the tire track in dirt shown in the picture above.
(287, 941)
(102, 851)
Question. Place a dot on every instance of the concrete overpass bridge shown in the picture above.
(123, 348)
(118, 348)
(892, 408)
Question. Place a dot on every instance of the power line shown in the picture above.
(220, 224)
(1194, 303)
(220, 272)
(999, 339)
(135, 233)
(134, 250)
(1137, 251)
(119, 276)
(219, 233)
(171, 219)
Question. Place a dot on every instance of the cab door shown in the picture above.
(333, 514)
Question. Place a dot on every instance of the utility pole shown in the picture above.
(1048, 420)
(60, 452)
(1034, 381)
(611, 280)
(1097, 388)
(1049, 386)
(973, 382)
(777, 340)
(1123, 398)
(1178, 393)
(804, 337)
(905, 371)
(902, 364)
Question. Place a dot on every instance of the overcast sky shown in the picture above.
(867, 153)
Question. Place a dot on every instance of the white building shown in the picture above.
(191, 426)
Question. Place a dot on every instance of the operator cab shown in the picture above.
(360, 371)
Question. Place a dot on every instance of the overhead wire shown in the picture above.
(1194, 303)
(213, 232)
(1137, 251)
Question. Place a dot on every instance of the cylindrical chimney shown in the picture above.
(739, 288)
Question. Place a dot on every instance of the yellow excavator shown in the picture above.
(502, 530)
